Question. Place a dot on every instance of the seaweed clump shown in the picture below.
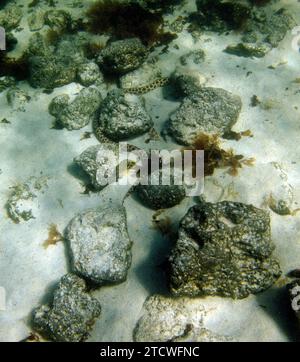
(123, 21)
(216, 157)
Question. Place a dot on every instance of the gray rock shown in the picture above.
(173, 320)
(17, 98)
(81, 111)
(187, 81)
(210, 110)
(10, 17)
(36, 20)
(58, 19)
(72, 313)
(294, 294)
(96, 163)
(248, 49)
(161, 196)
(6, 82)
(122, 116)
(100, 245)
(122, 56)
(50, 71)
(88, 74)
(223, 249)
(195, 56)
(58, 104)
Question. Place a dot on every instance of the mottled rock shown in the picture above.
(294, 294)
(122, 56)
(88, 74)
(72, 313)
(195, 56)
(122, 116)
(10, 17)
(173, 320)
(36, 20)
(50, 71)
(58, 104)
(100, 245)
(160, 196)
(100, 163)
(81, 111)
(248, 49)
(57, 19)
(17, 98)
(187, 81)
(6, 82)
(223, 249)
(210, 110)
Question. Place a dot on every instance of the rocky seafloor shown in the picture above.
(80, 261)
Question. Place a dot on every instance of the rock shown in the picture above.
(248, 50)
(36, 20)
(81, 111)
(173, 320)
(96, 163)
(195, 56)
(122, 116)
(17, 98)
(210, 111)
(161, 196)
(88, 74)
(58, 104)
(294, 293)
(187, 81)
(6, 82)
(10, 17)
(223, 249)
(72, 313)
(58, 19)
(51, 71)
(100, 245)
(122, 56)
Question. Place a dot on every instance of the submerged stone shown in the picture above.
(71, 314)
(223, 249)
(209, 110)
(122, 116)
(248, 50)
(99, 245)
(122, 56)
(78, 113)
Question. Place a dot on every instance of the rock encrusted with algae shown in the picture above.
(122, 116)
(122, 56)
(79, 112)
(173, 320)
(10, 17)
(99, 245)
(17, 98)
(71, 314)
(100, 163)
(248, 49)
(89, 73)
(294, 294)
(223, 249)
(209, 110)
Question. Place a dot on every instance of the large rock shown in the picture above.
(98, 166)
(209, 110)
(72, 313)
(122, 56)
(100, 245)
(78, 113)
(173, 320)
(122, 116)
(223, 249)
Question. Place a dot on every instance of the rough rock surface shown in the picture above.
(97, 165)
(173, 320)
(223, 249)
(210, 110)
(17, 98)
(294, 293)
(100, 245)
(10, 17)
(122, 56)
(88, 74)
(78, 113)
(122, 116)
(71, 314)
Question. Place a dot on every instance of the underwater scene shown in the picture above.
(150, 171)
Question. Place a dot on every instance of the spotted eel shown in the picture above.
(159, 82)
